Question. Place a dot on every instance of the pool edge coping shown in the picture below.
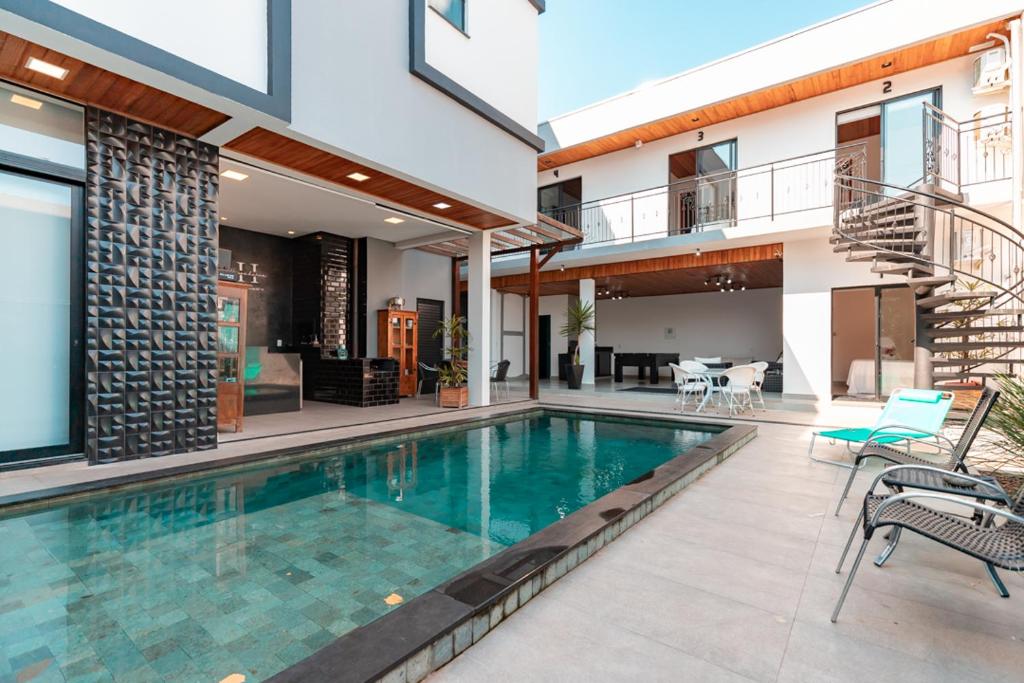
(433, 628)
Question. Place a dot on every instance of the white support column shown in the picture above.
(479, 313)
(588, 295)
(1016, 127)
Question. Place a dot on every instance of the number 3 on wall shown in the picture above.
(700, 136)
(886, 87)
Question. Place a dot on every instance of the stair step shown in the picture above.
(946, 347)
(952, 297)
(959, 362)
(937, 332)
(886, 242)
(902, 268)
(947, 376)
(948, 316)
(933, 281)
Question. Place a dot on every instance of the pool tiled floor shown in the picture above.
(120, 610)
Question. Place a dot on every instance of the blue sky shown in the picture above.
(593, 49)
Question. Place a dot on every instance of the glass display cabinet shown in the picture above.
(232, 299)
(397, 338)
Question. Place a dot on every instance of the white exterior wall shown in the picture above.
(739, 326)
(228, 37)
(352, 89)
(408, 273)
(502, 39)
(509, 331)
(803, 128)
(810, 272)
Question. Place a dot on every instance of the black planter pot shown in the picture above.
(574, 373)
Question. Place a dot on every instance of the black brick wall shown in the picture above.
(321, 306)
(151, 285)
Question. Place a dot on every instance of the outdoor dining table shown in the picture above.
(713, 377)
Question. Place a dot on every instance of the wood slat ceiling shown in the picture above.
(758, 267)
(283, 151)
(90, 85)
(904, 59)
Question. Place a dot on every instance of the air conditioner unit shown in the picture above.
(992, 126)
(991, 71)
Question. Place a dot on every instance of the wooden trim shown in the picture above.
(299, 156)
(534, 317)
(724, 257)
(908, 58)
(90, 85)
(558, 225)
(550, 255)
(524, 235)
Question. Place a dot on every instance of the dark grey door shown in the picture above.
(544, 352)
(431, 348)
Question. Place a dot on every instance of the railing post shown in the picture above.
(924, 373)
(632, 218)
(771, 176)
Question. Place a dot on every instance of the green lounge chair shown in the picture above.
(909, 414)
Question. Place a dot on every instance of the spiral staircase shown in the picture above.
(964, 265)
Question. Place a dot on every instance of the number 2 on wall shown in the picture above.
(886, 87)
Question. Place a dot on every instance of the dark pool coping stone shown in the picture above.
(407, 644)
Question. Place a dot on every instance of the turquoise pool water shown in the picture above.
(253, 570)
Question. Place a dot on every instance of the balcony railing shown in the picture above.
(798, 185)
(958, 154)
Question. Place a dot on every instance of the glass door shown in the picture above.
(903, 139)
(41, 318)
(896, 339)
(702, 186)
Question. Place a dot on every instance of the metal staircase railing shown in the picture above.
(966, 265)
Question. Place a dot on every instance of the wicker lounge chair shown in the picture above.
(955, 455)
(995, 535)
(908, 414)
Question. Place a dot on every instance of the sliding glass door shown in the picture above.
(41, 316)
(903, 138)
(873, 339)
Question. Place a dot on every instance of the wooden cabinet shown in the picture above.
(397, 338)
(232, 301)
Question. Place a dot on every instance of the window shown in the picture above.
(452, 10)
(561, 201)
(35, 126)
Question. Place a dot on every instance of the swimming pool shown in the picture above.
(252, 570)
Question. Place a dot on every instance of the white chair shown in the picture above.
(737, 391)
(689, 382)
(760, 367)
(712, 360)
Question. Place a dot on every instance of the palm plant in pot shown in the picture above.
(579, 320)
(452, 374)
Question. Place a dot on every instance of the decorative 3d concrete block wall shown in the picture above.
(151, 291)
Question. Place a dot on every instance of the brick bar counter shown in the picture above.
(361, 382)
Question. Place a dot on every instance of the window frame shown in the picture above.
(464, 29)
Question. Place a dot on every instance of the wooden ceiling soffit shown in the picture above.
(299, 156)
(723, 257)
(90, 85)
(904, 59)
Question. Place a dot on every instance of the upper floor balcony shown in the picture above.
(971, 157)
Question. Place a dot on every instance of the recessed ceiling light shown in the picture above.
(223, 218)
(358, 177)
(442, 205)
(291, 232)
(886, 65)
(46, 68)
(394, 220)
(695, 119)
(26, 101)
(234, 175)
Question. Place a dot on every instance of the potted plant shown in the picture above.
(579, 320)
(966, 392)
(451, 375)
(1003, 456)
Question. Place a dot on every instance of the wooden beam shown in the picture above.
(558, 225)
(723, 257)
(534, 317)
(456, 289)
(548, 256)
(524, 235)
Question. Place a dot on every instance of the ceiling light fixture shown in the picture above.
(394, 220)
(442, 206)
(291, 232)
(26, 102)
(697, 253)
(46, 68)
(695, 119)
(223, 218)
(887, 65)
(234, 175)
(358, 177)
